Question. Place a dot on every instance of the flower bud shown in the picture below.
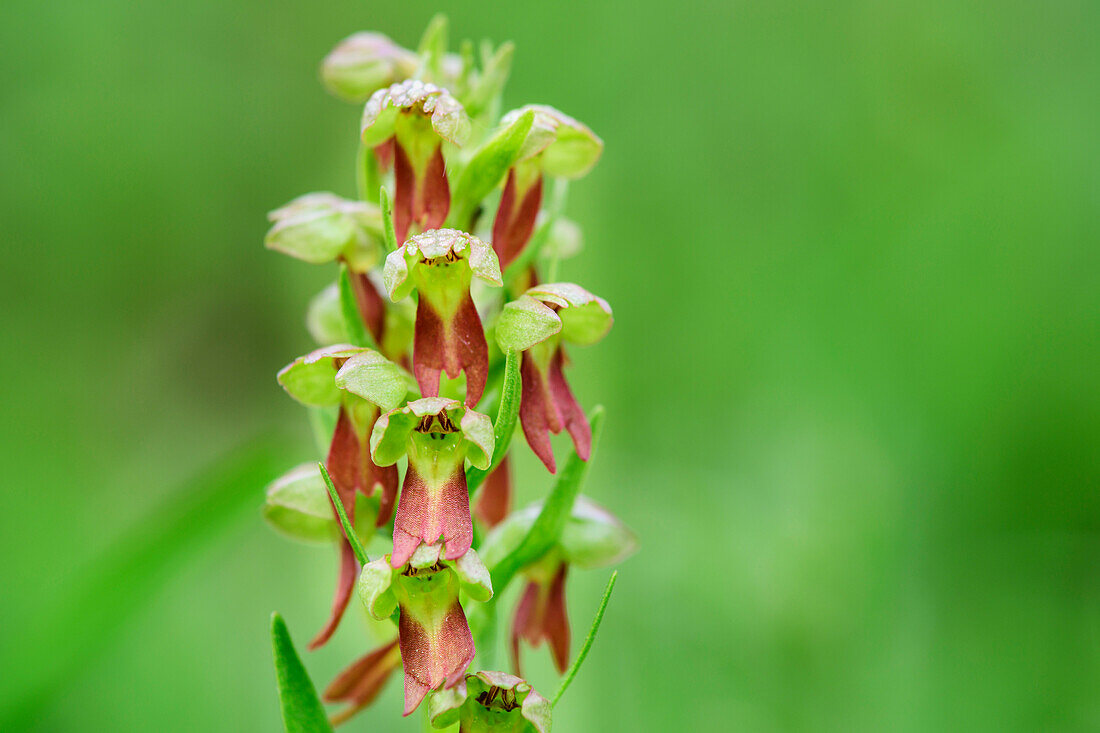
(363, 63)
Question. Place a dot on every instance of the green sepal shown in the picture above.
(302, 709)
(375, 378)
(297, 505)
(585, 318)
(565, 147)
(525, 322)
(487, 168)
(479, 259)
(320, 227)
(375, 587)
(390, 438)
(311, 379)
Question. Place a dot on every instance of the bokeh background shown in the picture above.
(852, 388)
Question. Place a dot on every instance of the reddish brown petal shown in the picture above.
(451, 347)
(429, 352)
(371, 306)
(473, 353)
(524, 625)
(541, 616)
(349, 570)
(555, 622)
(504, 217)
(576, 422)
(496, 495)
(426, 512)
(387, 478)
(384, 154)
(343, 465)
(404, 191)
(435, 193)
(434, 657)
(514, 224)
(536, 412)
(362, 681)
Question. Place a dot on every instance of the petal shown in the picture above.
(515, 220)
(452, 345)
(426, 512)
(495, 496)
(434, 651)
(534, 407)
(349, 566)
(362, 681)
(435, 197)
(555, 622)
(576, 422)
(371, 306)
(404, 193)
(524, 624)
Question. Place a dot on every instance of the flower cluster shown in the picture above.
(438, 319)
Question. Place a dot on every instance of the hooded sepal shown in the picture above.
(491, 701)
(557, 144)
(298, 506)
(321, 227)
(448, 337)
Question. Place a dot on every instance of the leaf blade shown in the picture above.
(302, 710)
(353, 320)
(592, 630)
(345, 524)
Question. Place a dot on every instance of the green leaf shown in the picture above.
(505, 424)
(366, 172)
(389, 236)
(353, 320)
(575, 667)
(487, 167)
(349, 531)
(302, 710)
(548, 526)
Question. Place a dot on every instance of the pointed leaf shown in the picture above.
(572, 672)
(487, 167)
(504, 425)
(302, 710)
(353, 320)
(349, 531)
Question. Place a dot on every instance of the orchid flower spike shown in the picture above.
(440, 264)
(436, 644)
(438, 435)
(537, 324)
(411, 120)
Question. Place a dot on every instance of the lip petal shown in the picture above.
(450, 345)
(434, 655)
(496, 495)
(535, 412)
(576, 422)
(349, 571)
(426, 512)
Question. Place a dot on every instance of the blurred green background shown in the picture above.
(852, 389)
